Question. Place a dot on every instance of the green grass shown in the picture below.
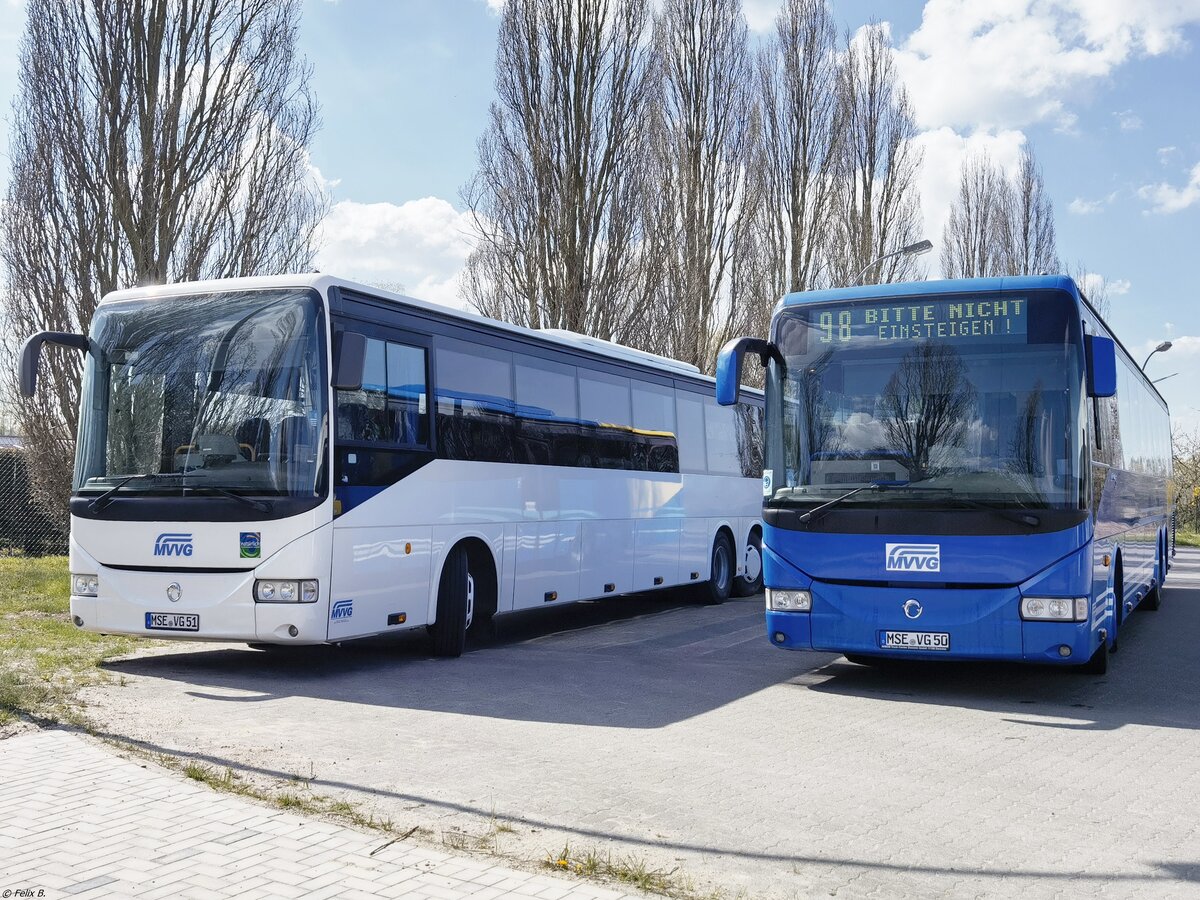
(1187, 538)
(631, 870)
(44, 659)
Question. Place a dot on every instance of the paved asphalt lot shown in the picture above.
(675, 734)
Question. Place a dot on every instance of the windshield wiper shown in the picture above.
(1011, 515)
(808, 516)
(1022, 518)
(107, 497)
(260, 505)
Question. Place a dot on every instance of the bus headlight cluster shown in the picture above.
(285, 591)
(85, 585)
(1054, 609)
(789, 601)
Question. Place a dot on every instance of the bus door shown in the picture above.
(383, 436)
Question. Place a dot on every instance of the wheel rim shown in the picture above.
(470, 600)
(753, 564)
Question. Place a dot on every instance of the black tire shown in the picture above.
(449, 632)
(1098, 664)
(1118, 610)
(717, 589)
(1153, 600)
(742, 587)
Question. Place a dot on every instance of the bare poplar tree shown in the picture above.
(560, 186)
(1094, 287)
(704, 131)
(877, 209)
(797, 73)
(152, 141)
(973, 240)
(1027, 239)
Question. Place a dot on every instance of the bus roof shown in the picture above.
(928, 288)
(323, 282)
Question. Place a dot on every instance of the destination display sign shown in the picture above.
(899, 321)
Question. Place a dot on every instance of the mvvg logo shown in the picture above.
(342, 609)
(173, 545)
(914, 557)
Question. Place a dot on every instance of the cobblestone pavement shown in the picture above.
(679, 737)
(76, 820)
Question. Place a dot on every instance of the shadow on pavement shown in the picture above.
(638, 662)
(1153, 680)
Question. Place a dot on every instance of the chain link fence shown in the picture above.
(28, 525)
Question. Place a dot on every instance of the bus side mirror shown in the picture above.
(349, 354)
(31, 353)
(729, 365)
(1101, 365)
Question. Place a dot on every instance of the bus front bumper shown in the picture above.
(195, 606)
(975, 624)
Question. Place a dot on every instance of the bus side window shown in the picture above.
(408, 404)
(362, 414)
(391, 407)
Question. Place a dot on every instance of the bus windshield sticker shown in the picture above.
(251, 544)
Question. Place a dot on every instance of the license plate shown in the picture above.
(172, 622)
(913, 640)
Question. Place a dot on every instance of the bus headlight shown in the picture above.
(789, 601)
(1054, 609)
(85, 585)
(286, 591)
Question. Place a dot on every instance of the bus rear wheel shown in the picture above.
(1153, 600)
(742, 585)
(719, 585)
(455, 604)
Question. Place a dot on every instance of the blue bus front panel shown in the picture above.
(909, 615)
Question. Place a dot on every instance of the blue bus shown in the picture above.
(960, 469)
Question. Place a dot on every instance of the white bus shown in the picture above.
(305, 460)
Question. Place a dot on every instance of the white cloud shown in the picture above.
(760, 14)
(1093, 283)
(1128, 120)
(1184, 345)
(1167, 199)
(1008, 64)
(496, 6)
(1166, 154)
(1081, 207)
(422, 244)
(945, 151)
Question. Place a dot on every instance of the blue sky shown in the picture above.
(1107, 92)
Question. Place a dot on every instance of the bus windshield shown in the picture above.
(205, 393)
(941, 401)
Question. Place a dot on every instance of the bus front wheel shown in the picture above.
(455, 604)
(720, 583)
(1098, 664)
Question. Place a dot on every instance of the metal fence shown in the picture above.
(28, 526)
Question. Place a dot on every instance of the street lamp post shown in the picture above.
(1161, 348)
(911, 250)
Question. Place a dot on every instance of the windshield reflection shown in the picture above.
(992, 418)
(219, 392)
